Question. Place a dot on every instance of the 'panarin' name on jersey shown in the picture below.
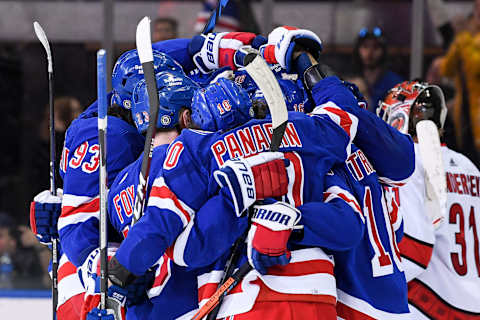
(463, 184)
(250, 140)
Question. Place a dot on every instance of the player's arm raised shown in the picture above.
(298, 50)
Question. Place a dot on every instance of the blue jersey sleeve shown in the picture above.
(78, 223)
(339, 214)
(212, 233)
(177, 50)
(391, 152)
(177, 192)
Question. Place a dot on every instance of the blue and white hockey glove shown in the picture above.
(45, 209)
(118, 298)
(267, 238)
(281, 45)
(216, 50)
(97, 314)
(116, 303)
(246, 180)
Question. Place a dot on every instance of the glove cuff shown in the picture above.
(118, 274)
(312, 75)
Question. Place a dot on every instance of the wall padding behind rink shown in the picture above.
(25, 305)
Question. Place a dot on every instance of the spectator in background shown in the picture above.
(22, 257)
(370, 63)
(164, 28)
(462, 62)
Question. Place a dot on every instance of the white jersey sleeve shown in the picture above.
(417, 243)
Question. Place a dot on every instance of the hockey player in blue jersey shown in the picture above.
(170, 199)
(81, 139)
(78, 224)
(374, 264)
(358, 294)
(175, 93)
(127, 73)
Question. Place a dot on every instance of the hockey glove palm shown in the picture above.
(281, 45)
(249, 179)
(45, 209)
(267, 238)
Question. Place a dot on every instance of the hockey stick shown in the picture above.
(267, 83)
(435, 182)
(53, 189)
(144, 48)
(212, 21)
(102, 139)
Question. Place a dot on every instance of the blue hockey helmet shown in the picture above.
(128, 71)
(295, 95)
(175, 90)
(221, 106)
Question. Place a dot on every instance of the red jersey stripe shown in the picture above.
(302, 268)
(415, 250)
(165, 193)
(91, 206)
(345, 312)
(433, 306)
(66, 270)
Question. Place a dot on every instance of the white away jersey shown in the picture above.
(443, 265)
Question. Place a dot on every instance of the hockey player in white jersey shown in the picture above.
(441, 260)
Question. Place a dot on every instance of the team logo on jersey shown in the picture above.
(452, 163)
(165, 120)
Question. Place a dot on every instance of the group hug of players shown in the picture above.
(338, 229)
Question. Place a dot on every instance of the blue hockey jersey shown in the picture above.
(365, 270)
(173, 292)
(186, 186)
(388, 156)
(391, 152)
(78, 223)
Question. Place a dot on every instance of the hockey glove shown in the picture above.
(45, 209)
(249, 179)
(134, 292)
(216, 50)
(97, 314)
(267, 238)
(116, 302)
(281, 45)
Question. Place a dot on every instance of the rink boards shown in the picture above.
(25, 304)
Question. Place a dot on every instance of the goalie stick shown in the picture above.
(53, 189)
(435, 183)
(263, 76)
(102, 139)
